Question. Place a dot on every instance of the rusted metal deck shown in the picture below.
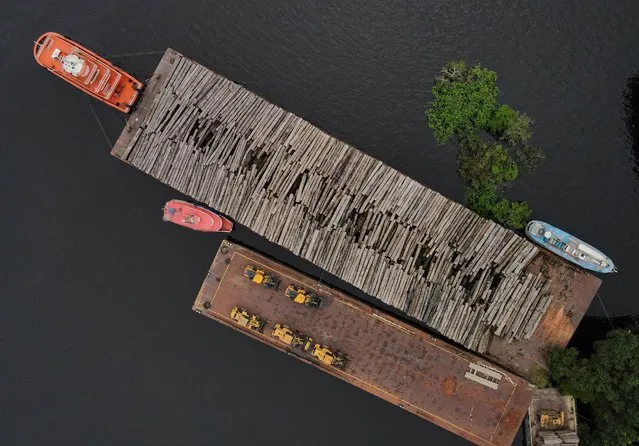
(430, 258)
(386, 357)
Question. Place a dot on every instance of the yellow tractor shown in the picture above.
(246, 319)
(326, 356)
(300, 296)
(551, 419)
(261, 277)
(291, 337)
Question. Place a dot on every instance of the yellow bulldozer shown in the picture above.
(326, 356)
(246, 319)
(291, 337)
(551, 419)
(301, 296)
(261, 277)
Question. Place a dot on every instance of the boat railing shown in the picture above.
(93, 74)
(113, 84)
(40, 46)
(103, 80)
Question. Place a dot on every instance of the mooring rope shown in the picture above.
(97, 118)
(605, 311)
(145, 53)
(319, 282)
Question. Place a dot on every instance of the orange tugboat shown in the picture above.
(195, 217)
(87, 71)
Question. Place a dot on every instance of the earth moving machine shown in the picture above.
(551, 419)
(292, 337)
(246, 319)
(300, 296)
(326, 356)
(261, 277)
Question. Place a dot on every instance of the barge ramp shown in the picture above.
(399, 363)
(427, 256)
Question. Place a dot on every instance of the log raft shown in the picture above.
(350, 214)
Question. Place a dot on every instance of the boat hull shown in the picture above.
(569, 247)
(87, 71)
(195, 217)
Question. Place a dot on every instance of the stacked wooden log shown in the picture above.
(348, 213)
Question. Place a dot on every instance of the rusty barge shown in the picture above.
(395, 361)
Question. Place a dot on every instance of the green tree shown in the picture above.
(518, 129)
(500, 119)
(464, 106)
(514, 214)
(487, 202)
(482, 198)
(463, 100)
(607, 383)
(485, 163)
(527, 158)
(509, 125)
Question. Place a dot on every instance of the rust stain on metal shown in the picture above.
(386, 357)
(449, 385)
(573, 290)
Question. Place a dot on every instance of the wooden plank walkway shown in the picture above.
(386, 357)
(357, 218)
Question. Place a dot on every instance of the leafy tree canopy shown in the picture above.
(465, 109)
(509, 125)
(527, 158)
(489, 164)
(485, 200)
(517, 130)
(464, 100)
(607, 382)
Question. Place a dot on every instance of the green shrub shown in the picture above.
(607, 383)
(539, 376)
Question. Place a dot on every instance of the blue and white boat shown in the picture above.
(569, 247)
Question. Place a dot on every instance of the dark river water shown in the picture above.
(98, 341)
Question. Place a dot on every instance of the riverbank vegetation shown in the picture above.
(492, 139)
(606, 386)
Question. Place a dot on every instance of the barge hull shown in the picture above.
(386, 357)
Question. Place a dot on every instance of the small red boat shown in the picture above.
(87, 71)
(195, 217)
